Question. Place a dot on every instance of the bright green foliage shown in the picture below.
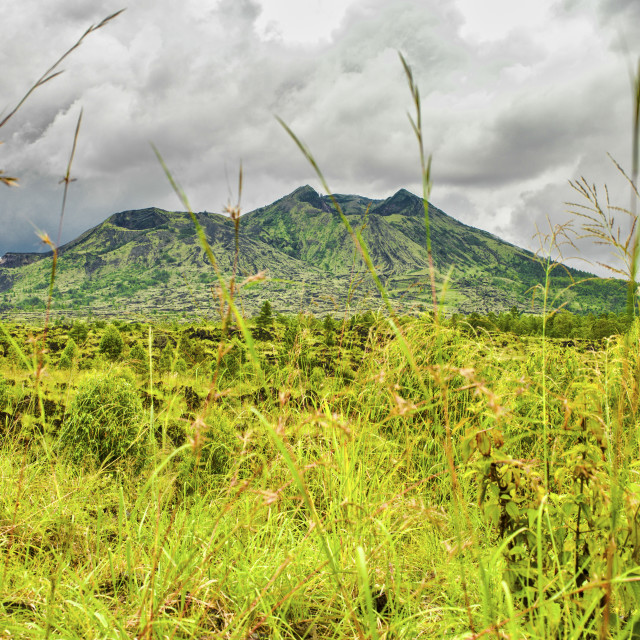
(329, 327)
(346, 373)
(291, 331)
(191, 349)
(5, 345)
(265, 317)
(4, 393)
(79, 332)
(165, 362)
(214, 456)
(65, 362)
(264, 321)
(317, 378)
(181, 366)
(112, 343)
(139, 358)
(106, 422)
(561, 324)
(69, 354)
(232, 360)
(71, 348)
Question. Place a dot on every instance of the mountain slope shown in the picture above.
(151, 261)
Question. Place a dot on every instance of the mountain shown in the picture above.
(148, 261)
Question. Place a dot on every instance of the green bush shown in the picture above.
(232, 360)
(317, 378)
(65, 361)
(139, 359)
(69, 354)
(165, 362)
(4, 393)
(346, 373)
(112, 343)
(79, 332)
(191, 350)
(181, 366)
(106, 422)
(214, 457)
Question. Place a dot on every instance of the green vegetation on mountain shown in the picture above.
(150, 261)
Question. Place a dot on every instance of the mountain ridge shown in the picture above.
(151, 260)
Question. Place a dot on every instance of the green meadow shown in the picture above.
(368, 475)
(336, 479)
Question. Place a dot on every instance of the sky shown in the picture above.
(518, 99)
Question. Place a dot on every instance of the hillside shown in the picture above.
(150, 260)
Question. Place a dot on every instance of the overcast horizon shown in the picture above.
(518, 99)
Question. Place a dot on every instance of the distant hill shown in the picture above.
(150, 260)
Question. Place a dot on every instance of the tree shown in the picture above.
(139, 359)
(604, 326)
(165, 363)
(264, 322)
(69, 354)
(329, 331)
(563, 323)
(112, 343)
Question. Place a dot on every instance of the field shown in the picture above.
(327, 482)
(372, 476)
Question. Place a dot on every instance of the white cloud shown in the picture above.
(309, 21)
(495, 19)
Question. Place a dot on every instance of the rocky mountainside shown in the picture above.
(151, 261)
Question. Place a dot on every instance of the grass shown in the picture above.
(381, 476)
(285, 507)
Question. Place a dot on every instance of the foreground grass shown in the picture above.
(370, 500)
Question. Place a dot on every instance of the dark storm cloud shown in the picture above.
(533, 135)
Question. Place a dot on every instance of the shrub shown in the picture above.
(79, 332)
(105, 421)
(232, 360)
(65, 361)
(112, 343)
(69, 354)
(329, 328)
(181, 366)
(4, 393)
(5, 345)
(317, 378)
(191, 350)
(214, 456)
(165, 362)
(346, 373)
(139, 359)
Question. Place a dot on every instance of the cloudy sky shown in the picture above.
(518, 98)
